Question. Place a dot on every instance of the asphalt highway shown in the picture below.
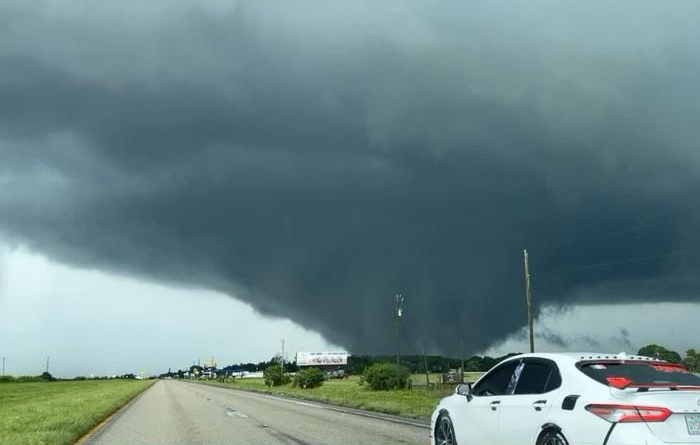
(180, 413)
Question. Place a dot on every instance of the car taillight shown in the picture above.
(629, 413)
(618, 381)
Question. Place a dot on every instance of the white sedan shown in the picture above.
(576, 399)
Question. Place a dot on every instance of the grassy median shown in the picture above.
(418, 402)
(58, 413)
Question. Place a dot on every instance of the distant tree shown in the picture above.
(195, 370)
(692, 360)
(660, 352)
(416, 363)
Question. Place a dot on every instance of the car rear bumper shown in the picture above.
(640, 434)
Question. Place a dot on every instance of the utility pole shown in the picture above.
(528, 296)
(47, 365)
(427, 373)
(399, 313)
(282, 356)
(461, 351)
(3, 366)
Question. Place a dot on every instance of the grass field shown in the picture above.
(419, 379)
(418, 402)
(58, 413)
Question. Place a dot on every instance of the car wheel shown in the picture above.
(552, 437)
(444, 431)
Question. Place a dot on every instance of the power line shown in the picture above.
(600, 234)
(614, 263)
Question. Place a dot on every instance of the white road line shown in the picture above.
(233, 413)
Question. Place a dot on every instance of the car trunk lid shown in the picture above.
(683, 426)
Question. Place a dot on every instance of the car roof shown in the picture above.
(581, 356)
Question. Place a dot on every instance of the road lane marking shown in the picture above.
(233, 413)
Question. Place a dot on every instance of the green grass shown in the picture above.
(417, 403)
(58, 413)
(419, 379)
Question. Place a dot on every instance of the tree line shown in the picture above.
(416, 364)
(691, 358)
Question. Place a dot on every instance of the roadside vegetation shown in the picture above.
(59, 412)
(416, 403)
(395, 390)
(383, 387)
(386, 376)
(309, 378)
(274, 375)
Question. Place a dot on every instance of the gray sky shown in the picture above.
(90, 322)
(311, 159)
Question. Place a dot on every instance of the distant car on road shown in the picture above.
(337, 374)
(572, 399)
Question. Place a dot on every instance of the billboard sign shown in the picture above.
(322, 358)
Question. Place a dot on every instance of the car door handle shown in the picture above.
(494, 404)
(538, 404)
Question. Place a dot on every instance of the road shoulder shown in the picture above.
(421, 423)
(92, 435)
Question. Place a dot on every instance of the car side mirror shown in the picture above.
(465, 389)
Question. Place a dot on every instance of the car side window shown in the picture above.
(534, 378)
(496, 382)
(554, 380)
(538, 378)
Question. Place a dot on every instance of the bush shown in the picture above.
(309, 378)
(224, 378)
(46, 376)
(30, 379)
(274, 376)
(386, 376)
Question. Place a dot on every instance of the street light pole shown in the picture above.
(528, 297)
(399, 313)
(461, 352)
(282, 356)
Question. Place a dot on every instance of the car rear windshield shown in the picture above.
(639, 374)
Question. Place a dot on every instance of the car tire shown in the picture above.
(552, 437)
(444, 431)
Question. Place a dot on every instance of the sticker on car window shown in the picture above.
(514, 378)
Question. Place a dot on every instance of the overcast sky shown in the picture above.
(89, 322)
(296, 164)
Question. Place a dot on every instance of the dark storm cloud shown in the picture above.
(314, 159)
(546, 334)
